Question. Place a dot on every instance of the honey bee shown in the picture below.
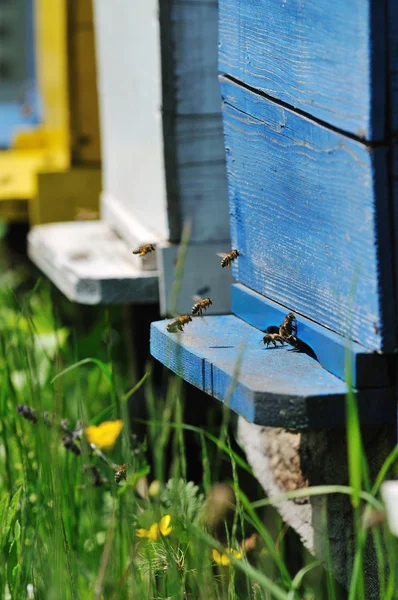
(178, 323)
(121, 472)
(292, 340)
(27, 412)
(200, 306)
(229, 258)
(272, 338)
(145, 249)
(289, 326)
(70, 444)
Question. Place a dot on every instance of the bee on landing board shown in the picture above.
(289, 326)
(292, 340)
(229, 258)
(178, 323)
(145, 249)
(272, 338)
(200, 306)
(121, 472)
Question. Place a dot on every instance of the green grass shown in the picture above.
(65, 538)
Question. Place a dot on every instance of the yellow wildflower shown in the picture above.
(224, 558)
(104, 436)
(156, 529)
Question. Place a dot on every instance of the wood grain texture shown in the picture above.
(334, 352)
(90, 264)
(309, 212)
(393, 63)
(327, 59)
(190, 83)
(277, 387)
(195, 164)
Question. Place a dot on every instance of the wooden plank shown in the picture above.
(202, 276)
(130, 95)
(196, 170)
(334, 352)
(163, 151)
(203, 194)
(309, 213)
(190, 71)
(90, 264)
(19, 167)
(393, 62)
(83, 95)
(81, 12)
(327, 59)
(133, 232)
(199, 138)
(277, 387)
(63, 195)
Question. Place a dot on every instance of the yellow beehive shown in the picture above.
(55, 167)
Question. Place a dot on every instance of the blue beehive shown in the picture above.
(309, 113)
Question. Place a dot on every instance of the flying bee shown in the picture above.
(289, 326)
(145, 249)
(272, 338)
(121, 472)
(178, 323)
(200, 306)
(229, 258)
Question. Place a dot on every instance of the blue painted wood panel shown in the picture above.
(200, 181)
(393, 62)
(190, 86)
(304, 216)
(334, 352)
(275, 387)
(324, 58)
(191, 106)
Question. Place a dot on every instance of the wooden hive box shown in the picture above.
(51, 164)
(312, 195)
(310, 110)
(162, 154)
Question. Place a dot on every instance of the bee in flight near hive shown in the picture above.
(272, 338)
(200, 306)
(289, 326)
(121, 472)
(145, 249)
(178, 323)
(229, 258)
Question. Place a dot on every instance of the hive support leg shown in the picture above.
(283, 461)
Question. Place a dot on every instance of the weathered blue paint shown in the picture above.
(194, 33)
(225, 357)
(334, 352)
(325, 58)
(392, 31)
(304, 215)
(191, 108)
